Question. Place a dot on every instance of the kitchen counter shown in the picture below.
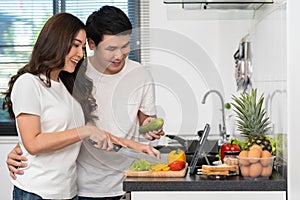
(203, 183)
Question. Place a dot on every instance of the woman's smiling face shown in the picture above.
(76, 53)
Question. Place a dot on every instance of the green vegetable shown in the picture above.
(140, 165)
(155, 124)
(238, 142)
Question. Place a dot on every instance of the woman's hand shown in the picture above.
(150, 150)
(144, 148)
(152, 135)
(103, 140)
(14, 161)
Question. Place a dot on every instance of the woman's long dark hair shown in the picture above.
(50, 50)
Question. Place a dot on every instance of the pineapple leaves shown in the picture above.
(251, 116)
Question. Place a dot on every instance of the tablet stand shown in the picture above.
(199, 150)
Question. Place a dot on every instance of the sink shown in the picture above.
(211, 157)
(189, 144)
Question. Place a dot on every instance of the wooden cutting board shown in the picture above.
(169, 173)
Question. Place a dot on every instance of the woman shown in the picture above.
(50, 122)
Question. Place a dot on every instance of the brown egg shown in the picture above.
(243, 158)
(254, 153)
(255, 170)
(266, 153)
(256, 146)
(267, 171)
(243, 154)
(266, 158)
(245, 170)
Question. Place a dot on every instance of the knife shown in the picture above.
(127, 152)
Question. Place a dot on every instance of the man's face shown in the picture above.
(110, 54)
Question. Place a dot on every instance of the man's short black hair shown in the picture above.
(108, 20)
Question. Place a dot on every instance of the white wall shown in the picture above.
(197, 55)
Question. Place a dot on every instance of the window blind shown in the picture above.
(144, 31)
(20, 23)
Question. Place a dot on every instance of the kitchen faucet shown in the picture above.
(222, 127)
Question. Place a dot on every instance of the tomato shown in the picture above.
(177, 165)
(229, 147)
(176, 155)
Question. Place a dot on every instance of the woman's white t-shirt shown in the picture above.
(49, 175)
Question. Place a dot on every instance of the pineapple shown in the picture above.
(252, 121)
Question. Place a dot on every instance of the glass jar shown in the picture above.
(230, 158)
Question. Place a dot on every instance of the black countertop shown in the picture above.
(205, 183)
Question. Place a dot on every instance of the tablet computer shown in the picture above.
(199, 149)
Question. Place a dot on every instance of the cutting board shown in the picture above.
(169, 173)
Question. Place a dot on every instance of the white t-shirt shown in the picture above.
(49, 175)
(119, 98)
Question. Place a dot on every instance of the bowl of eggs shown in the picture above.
(256, 163)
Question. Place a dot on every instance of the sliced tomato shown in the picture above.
(176, 165)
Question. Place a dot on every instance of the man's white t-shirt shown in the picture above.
(49, 175)
(119, 98)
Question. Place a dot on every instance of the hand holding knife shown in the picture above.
(144, 151)
(105, 142)
(137, 155)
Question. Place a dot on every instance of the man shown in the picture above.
(125, 96)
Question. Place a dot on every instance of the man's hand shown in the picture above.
(14, 161)
(152, 135)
